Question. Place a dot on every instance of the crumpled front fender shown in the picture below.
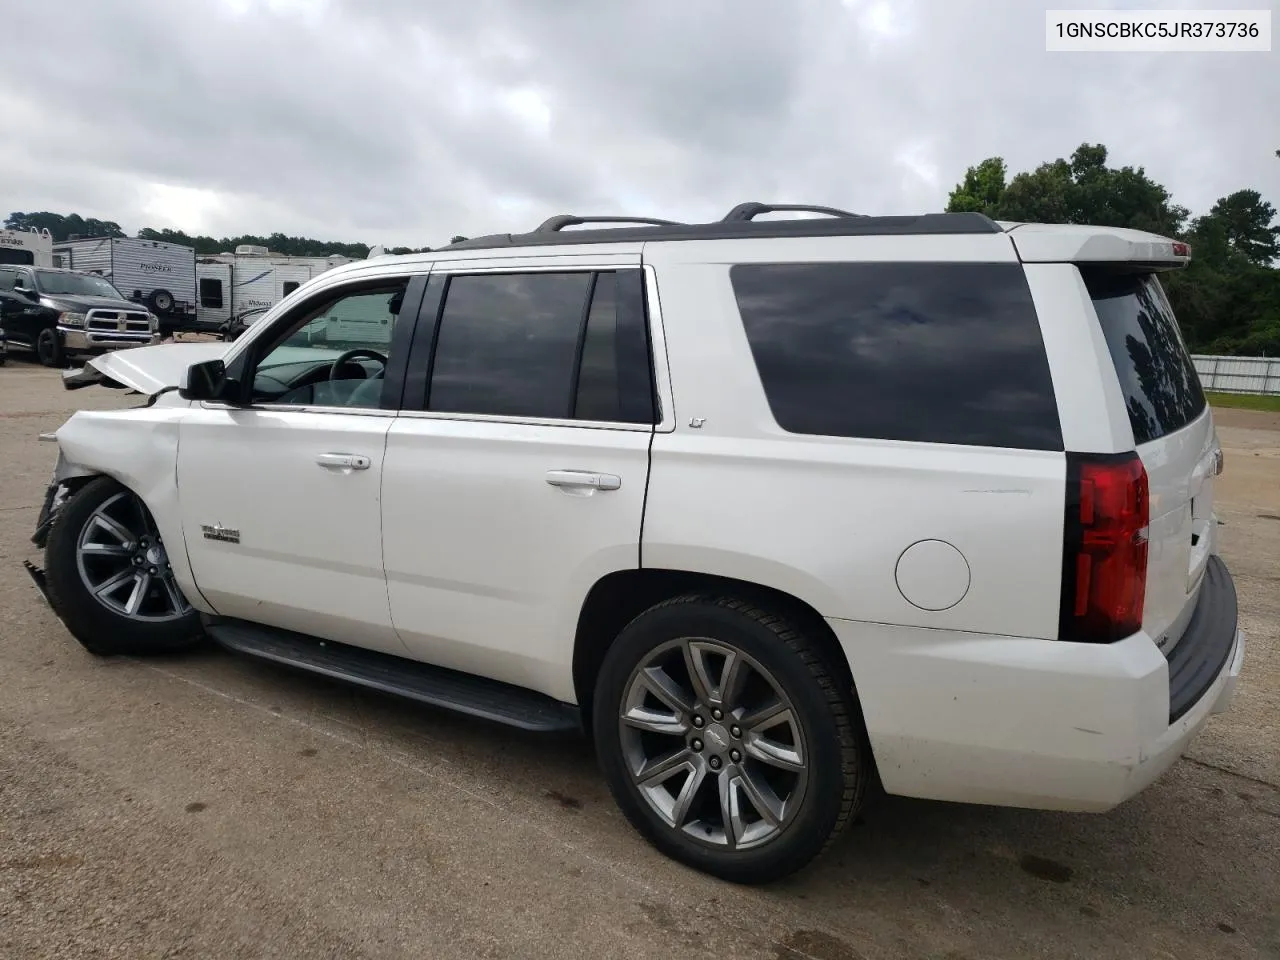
(139, 449)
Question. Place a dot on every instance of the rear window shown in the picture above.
(1161, 388)
(931, 352)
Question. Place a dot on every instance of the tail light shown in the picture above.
(1104, 557)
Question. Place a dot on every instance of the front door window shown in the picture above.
(335, 354)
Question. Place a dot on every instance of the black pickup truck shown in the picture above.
(61, 313)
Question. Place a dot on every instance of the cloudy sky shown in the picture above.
(406, 121)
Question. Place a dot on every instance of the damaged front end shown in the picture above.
(53, 499)
(145, 370)
(54, 496)
(136, 446)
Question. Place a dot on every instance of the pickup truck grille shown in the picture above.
(118, 321)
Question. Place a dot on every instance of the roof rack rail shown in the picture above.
(557, 223)
(750, 210)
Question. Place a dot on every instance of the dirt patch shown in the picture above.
(1250, 419)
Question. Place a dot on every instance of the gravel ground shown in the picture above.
(216, 807)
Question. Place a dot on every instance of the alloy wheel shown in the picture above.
(713, 744)
(124, 565)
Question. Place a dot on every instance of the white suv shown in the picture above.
(770, 507)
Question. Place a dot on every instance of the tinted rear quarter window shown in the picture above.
(930, 352)
(1161, 388)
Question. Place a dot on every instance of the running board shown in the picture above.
(437, 686)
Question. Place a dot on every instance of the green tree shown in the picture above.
(1080, 190)
(1243, 221)
(63, 227)
(1227, 299)
(981, 189)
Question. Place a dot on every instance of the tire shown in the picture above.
(160, 301)
(48, 350)
(104, 626)
(825, 734)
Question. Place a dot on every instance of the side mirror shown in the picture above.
(22, 288)
(204, 381)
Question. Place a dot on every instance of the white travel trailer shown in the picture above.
(33, 248)
(251, 278)
(161, 275)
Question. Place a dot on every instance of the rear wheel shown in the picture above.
(727, 738)
(109, 577)
(49, 349)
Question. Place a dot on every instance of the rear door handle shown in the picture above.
(580, 479)
(343, 461)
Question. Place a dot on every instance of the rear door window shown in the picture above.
(551, 345)
(929, 352)
(1161, 388)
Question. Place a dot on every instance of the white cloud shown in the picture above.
(530, 108)
(402, 122)
(182, 208)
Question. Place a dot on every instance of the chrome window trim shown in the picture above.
(301, 408)
(562, 264)
(526, 421)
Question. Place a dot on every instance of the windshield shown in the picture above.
(55, 283)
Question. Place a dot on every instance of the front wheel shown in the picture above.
(728, 739)
(109, 579)
(49, 349)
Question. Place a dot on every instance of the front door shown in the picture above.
(519, 480)
(21, 317)
(280, 496)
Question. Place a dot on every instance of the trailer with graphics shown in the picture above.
(251, 278)
(159, 274)
(29, 248)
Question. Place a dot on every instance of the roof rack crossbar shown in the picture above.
(555, 224)
(750, 210)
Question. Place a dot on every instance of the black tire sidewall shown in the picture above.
(156, 297)
(99, 630)
(48, 349)
(807, 835)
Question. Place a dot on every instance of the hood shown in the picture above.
(148, 370)
(79, 303)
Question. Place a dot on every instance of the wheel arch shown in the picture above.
(619, 597)
(138, 448)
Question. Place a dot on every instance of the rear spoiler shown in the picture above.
(1069, 243)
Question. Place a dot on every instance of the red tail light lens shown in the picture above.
(1104, 559)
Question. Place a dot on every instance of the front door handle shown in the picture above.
(343, 461)
(583, 479)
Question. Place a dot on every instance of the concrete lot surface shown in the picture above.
(217, 807)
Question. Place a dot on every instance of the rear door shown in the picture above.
(1174, 435)
(515, 474)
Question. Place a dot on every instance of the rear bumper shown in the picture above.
(77, 340)
(1025, 722)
